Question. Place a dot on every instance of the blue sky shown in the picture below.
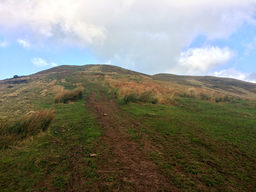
(16, 59)
(191, 38)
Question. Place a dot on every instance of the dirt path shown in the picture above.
(122, 165)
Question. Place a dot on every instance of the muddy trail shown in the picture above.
(122, 164)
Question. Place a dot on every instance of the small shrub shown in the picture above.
(69, 95)
(204, 96)
(218, 99)
(130, 98)
(147, 98)
(227, 98)
(154, 101)
(27, 125)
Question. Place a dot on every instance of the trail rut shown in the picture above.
(123, 166)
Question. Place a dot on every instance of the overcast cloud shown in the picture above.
(145, 35)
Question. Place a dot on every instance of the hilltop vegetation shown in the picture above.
(104, 128)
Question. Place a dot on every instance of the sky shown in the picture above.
(185, 37)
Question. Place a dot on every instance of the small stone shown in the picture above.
(93, 155)
(105, 114)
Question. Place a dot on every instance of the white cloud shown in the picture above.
(3, 44)
(39, 62)
(146, 35)
(23, 43)
(235, 74)
(201, 60)
(231, 73)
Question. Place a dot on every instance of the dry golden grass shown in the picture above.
(53, 82)
(162, 92)
(14, 93)
(209, 95)
(14, 130)
(57, 89)
(155, 90)
(66, 96)
(21, 98)
(44, 92)
(78, 84)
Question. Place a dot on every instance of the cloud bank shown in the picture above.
(145, 35)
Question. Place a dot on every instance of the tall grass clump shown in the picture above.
(226, 99)
(13, 130)
(130, 98)
(69, 95)
(209, 95)
(146, 91)
(204, 96)
(144, 97)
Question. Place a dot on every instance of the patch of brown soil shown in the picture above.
(122, 165)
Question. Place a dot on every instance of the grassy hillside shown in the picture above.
(232, 86)
(105, 128)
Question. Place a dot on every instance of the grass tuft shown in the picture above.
(145, 97)
(30, 124)
(69, 95)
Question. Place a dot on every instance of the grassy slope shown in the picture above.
(200, 145)
(57, 160)
(48, 162)
(231, 86)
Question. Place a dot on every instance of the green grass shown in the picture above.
(48, 161)
(203, 145)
